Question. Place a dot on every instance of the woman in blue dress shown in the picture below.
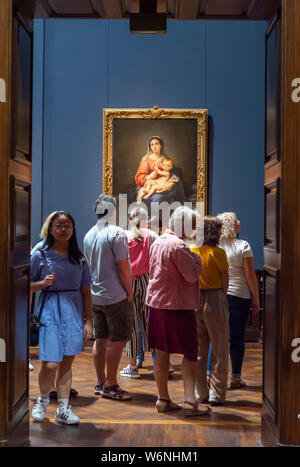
(61, 271)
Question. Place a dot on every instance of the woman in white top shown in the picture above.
(242, 291)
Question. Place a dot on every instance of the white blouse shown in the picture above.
(236, 251)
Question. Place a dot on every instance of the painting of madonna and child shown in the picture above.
(155, 160)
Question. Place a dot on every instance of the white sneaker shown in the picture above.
(39, 409)
(130, 372)
(30, 366)
(65, 415)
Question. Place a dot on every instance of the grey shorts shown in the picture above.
(113, 322)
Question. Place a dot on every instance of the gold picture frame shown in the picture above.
(112, 116)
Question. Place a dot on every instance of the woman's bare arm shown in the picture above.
(125, 276)
(87, 302)
(225, 281)
(88, 312)
(40, 285)
(252, 282)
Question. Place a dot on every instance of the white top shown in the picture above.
(236, 251)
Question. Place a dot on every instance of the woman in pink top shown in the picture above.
(172, 297)
(139, 241)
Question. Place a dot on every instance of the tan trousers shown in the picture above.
(212, 328)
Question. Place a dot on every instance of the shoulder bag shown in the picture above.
(35, 321)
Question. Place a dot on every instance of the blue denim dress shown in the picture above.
(61, 332)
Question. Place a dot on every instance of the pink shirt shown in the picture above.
(139, 255)
(174, 274)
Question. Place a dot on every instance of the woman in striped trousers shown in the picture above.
(139, 240)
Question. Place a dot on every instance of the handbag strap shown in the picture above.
(46, 290)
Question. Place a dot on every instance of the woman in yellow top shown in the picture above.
(212, 315)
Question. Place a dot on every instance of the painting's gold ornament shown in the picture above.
(201, 115)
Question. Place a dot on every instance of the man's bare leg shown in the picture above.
(113, 357)
(99, 357)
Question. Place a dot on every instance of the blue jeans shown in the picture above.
(208, 370)
(239, 309)
(140, 349)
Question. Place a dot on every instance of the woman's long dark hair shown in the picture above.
(75, 254)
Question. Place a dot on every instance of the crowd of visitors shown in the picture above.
(148, 292)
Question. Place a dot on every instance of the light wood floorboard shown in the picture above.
(109, 423)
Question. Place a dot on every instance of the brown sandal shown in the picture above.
(115, 392)
(167, 406)
(195, 411)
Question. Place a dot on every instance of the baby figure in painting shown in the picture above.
(159, 180)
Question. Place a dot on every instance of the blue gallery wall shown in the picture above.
(83, 66)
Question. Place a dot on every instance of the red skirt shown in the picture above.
(173, 331)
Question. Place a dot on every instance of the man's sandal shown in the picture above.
(195, 409)
(115, 392)
(166, 406)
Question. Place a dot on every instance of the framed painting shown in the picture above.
(155, 155)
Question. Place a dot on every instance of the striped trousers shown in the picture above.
(140, 315)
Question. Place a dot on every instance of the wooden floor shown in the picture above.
(109, 423)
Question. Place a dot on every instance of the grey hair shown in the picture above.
(137, 214)
(183, 214)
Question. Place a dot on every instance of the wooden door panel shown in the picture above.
(15, 202)
(272, 234)
(20, 208)
(18, 348)
(273, 82)
(272, 216)
(270, 342)
(18, 384)
(20, 205)
(22, 90)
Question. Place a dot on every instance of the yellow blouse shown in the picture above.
(214, 261)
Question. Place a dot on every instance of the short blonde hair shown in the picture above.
(44, 229)
(228, 225)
